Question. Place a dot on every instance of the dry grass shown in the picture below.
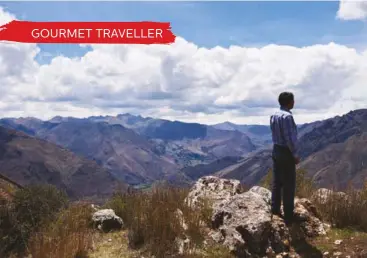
(345, 211)
(155, 219)
(304, 185)
(341, 212)
(69, 236)
(29, 209)
(114, 244)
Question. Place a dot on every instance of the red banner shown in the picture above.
(88, 32)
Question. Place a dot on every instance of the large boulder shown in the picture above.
(243, 223)
(213, 189)
(107, 220)
(309, 219)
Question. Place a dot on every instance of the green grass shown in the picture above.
(350, 237)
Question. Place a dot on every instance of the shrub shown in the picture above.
(155, 219)
(10, 231)
(345, 211)
(31, 208)
(304, 184)
(118, 204)
(155, 222)
(69, 236)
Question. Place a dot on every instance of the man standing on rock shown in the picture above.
(285, 157)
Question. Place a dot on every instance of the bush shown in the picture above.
(118, 204)
(10, 232)
(30, 209)
(70, 235)
(345, 211)
(304, 184)
(155, 219)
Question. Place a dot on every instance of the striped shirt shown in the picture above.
(284, 130)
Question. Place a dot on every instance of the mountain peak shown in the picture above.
(127, 115)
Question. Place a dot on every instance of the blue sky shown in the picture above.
(208, 24)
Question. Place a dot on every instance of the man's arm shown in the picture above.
(290, 135)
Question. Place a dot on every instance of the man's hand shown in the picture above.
(296, 160)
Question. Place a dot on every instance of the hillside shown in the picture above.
(333, 130)
(184, 144)
(156, 128)
(28, 160)
(129, 156)
(195, 172)
(259, 134)
(7, 188)
(143, 150)
(249, 170)
(332, 151)
(188, 144)
(340, 164)
(215, 145)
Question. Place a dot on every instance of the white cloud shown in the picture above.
(352, 10)
(183, 81)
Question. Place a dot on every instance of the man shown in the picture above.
(285, 157)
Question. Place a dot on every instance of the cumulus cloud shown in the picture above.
(352, 10)
(182, 81)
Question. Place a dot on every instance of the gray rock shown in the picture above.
(280, 235)
(213, 189)
(338, 242)
(306, 214)
(107, 220)
(244, 221)
(265, 193)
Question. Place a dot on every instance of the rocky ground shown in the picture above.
(242, 223)
(353, 245)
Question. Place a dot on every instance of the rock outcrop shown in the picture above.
(243, 221)
(310, 221)
(265, 193)
(106, 220)
(243, 224)
(213, 189)
(324, 195)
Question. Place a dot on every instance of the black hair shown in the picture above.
(285, 98)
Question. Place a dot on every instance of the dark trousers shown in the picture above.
(284, 182)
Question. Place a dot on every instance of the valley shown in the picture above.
(140, 151)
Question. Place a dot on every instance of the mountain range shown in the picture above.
(140, 152)
(333, 153)
(101, 151)
(28, 160)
